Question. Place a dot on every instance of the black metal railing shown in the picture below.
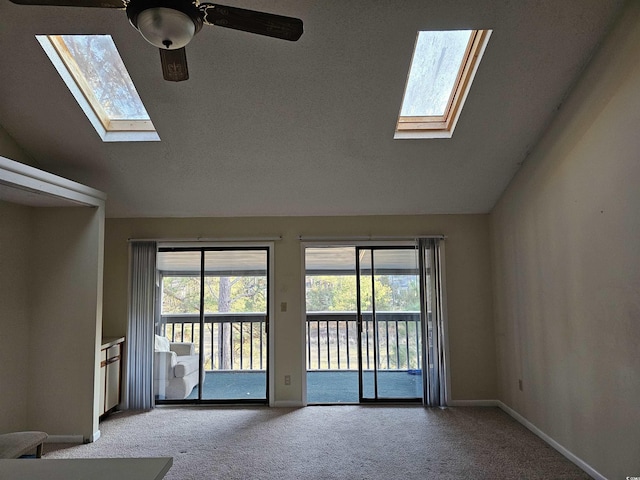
(238, 341)
(232, 341)
(332, 341)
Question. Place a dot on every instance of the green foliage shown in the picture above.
(331, 293)
(180, 295)
(337, 293)
(221, 294)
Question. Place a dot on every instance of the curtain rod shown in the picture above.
(207, 239)
(303, 238)
(354, 238)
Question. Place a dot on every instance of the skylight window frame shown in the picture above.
(442, 126)
(109, 130)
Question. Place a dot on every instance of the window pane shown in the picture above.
(434, 69)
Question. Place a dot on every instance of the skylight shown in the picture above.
(442, 69)
(91, 67)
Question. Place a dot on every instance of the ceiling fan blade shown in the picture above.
(277, 26)
(75, 3)
(174, 64)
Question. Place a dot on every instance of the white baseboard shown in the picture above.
(578, 461)
(287, 404)
(95, 436)
(65, 439)
(472, 403)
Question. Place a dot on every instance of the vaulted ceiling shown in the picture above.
(269, 127)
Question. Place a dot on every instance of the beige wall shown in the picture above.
(467, 268)
(566, 261)
(50, 307)
(15, 230)
(65, 332)
(10, 149)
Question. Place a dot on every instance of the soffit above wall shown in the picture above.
(30, 186)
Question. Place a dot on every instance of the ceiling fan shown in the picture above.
(171, 24)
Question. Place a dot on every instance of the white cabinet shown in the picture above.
(110, 373)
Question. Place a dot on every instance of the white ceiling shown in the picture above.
(269, 127)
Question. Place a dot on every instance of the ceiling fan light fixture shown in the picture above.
(165, 27)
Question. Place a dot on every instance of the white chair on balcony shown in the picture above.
(175, 369)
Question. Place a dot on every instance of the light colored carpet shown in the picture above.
(329, 442)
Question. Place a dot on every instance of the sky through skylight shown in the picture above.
(434, 70)
(99, 61)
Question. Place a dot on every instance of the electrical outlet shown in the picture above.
(287, 379)
(520, 385)
(283, 306)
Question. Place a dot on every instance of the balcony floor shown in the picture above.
(322, 386)
(342, 386)
(239, 385)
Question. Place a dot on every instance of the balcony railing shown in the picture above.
(232, 341)
(332, 341)
(237, 341)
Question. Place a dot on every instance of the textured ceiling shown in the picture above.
(269, 127)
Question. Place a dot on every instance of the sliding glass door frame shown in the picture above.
(267, 247)
(359, 245)
(376, 398)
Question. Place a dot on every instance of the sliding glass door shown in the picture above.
(331, 321)
(364, 324)
(389, 324)
(212, 325)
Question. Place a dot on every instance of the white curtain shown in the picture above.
(431, 293)
(140, 339)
